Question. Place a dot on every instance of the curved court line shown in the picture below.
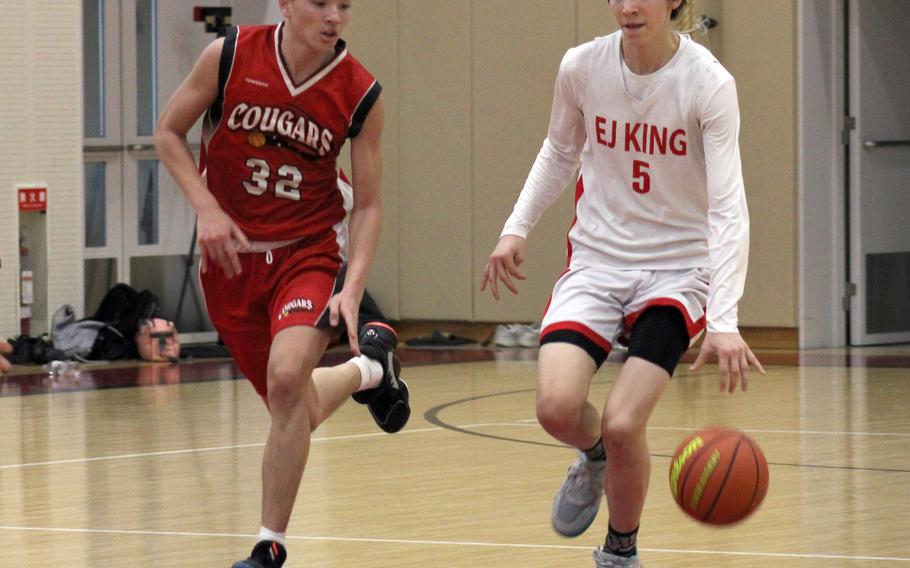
(467, 543)
(432, 416)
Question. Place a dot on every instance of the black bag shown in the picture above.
(111, 345)
(123, 308)
(33, 350)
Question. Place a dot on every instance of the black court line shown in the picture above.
(432, 416)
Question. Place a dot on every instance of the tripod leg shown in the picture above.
(188, 262)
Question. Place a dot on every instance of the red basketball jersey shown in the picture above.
(270, 146)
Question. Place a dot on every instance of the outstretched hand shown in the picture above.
(5, 349)
(219, 239)
(733, 359)
(503, 265)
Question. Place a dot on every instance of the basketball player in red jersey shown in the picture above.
(279, 267)
(658, 252)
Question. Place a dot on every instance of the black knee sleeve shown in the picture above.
(660, 337)
(598, 353)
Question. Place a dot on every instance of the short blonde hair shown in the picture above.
(677, 10)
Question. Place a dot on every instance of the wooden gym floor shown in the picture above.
(144, 465)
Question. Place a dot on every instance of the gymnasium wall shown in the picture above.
(41, 142)
(468, 87)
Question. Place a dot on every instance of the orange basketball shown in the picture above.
(718, 476)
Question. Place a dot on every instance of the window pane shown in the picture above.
(148, 202)
(93, 57)
(146, 67)
(95, 204)
(100, 276)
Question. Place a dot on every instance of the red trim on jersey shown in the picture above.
(580, 328)
(693, 327)
(293, 86)
(550, 299)
(579, 191)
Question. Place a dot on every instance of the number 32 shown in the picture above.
(285, 188)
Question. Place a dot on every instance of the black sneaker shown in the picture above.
(388, 403)
(266, 554)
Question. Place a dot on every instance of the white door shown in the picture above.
(139, 227)
(879, 171)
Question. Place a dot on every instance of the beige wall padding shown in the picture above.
(41, 122)
(468, 87)
(373, 37)
(759, 49)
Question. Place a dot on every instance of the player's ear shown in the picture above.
(283, 6)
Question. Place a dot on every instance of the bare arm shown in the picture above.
(218, 236)
(366, 220)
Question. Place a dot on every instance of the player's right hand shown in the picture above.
(503, 265)
(219, 240)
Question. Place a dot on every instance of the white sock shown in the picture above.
(370, 372)
(267, 534)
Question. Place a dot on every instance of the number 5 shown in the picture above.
(641, 178)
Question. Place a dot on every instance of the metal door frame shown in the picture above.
(822, 172)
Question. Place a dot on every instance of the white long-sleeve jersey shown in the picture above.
(661, 184)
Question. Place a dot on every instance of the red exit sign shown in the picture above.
(32, 198)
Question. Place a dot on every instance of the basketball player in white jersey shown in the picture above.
(657, 253)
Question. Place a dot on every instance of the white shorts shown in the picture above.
(602, 304)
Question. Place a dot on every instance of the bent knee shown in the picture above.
(286, 384)
(558, 413)
(620, 430)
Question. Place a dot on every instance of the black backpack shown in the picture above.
(123, 308)
(33, 350)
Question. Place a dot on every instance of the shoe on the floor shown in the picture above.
(529, 335)
(266, 554)
(507, 335)
(605, 560)
(388, 403)
(579, 498)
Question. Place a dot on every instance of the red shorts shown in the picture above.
(278, 288)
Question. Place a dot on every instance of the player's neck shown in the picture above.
(302, 61)
(644, 59)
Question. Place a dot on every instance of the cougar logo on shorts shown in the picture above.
(296, 305)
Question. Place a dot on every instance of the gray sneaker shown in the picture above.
(605, 560)
(579, 497)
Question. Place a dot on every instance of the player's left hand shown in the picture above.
(346, 305)
(733, 359)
